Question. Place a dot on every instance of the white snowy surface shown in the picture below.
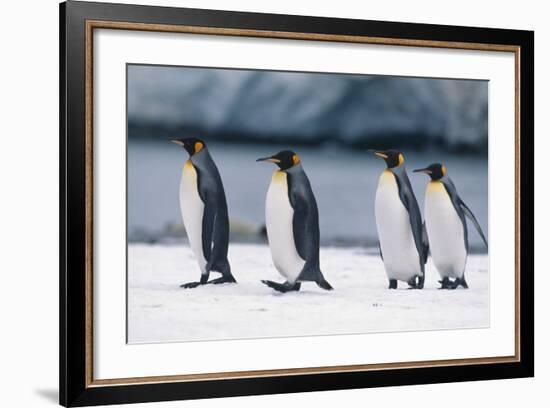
(160, 311)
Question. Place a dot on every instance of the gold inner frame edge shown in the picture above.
(101, 24)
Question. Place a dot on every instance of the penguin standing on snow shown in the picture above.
(445, 214)
(292, 222)
(204, 212)
(402, 237)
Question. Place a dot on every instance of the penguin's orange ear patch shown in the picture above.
(401, 159)
(443, 170)
(198, 147)
(295, 159)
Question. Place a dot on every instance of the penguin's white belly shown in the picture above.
(401, 259)
(445, 232)
(192, 209)
(278, 215)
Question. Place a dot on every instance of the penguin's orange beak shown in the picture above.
(177, 141)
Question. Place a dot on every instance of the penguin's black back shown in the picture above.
(407, 197)
(215, 225)
(305, 224)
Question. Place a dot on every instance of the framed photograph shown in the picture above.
(256, 204)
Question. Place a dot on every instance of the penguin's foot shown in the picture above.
(223, 279)
(446, 283)
(393, 284)
(282, 287)
(416, 282)
(461, 282)
(191, 285)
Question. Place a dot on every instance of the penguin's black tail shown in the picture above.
(229, 278)
(322, 283)
(313, 273)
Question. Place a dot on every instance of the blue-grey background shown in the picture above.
(330, 120)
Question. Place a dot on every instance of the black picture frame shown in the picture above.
(75, 387)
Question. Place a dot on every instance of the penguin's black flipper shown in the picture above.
(462, 210)
(473, 219)
(282, 287)
(305, 220)
(380, 249)
(407, 197)
(215, 219)
(208, 219)
(425, 244)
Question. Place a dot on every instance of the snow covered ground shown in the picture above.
(160, 311)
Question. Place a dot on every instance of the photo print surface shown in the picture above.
(272, 204)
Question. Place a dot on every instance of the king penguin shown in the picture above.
(204, 212)
(292, 222)
(445, 215)
(402, 238)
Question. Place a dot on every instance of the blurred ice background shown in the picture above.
(329, 119)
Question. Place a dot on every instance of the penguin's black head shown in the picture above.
(393, 158)
(284, 159)
(435, 171)
(191, 144)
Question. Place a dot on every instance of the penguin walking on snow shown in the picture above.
(402, 237)
(292, 222)
(445, 215)
(204, 212)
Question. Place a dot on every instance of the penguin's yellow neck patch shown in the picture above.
(435, 186)
(279, 176)
(189, 173)
(387, 177)
(188, 165)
